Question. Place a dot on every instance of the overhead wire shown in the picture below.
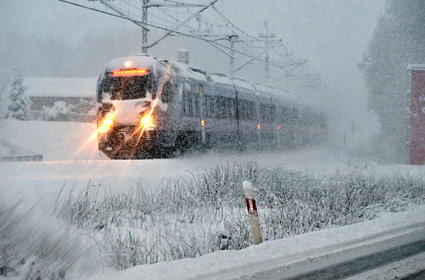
(222, 48)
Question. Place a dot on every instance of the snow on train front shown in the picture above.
(132, 107)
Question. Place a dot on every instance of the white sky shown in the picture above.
(331, 34)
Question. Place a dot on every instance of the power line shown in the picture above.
(231, 31)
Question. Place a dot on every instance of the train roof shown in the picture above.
(240, 83)
(187, 71)
(135, 61)
(220, 79)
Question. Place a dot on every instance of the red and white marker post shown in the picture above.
(252, 212)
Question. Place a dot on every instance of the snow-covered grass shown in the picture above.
(36, 245)
(206, 212)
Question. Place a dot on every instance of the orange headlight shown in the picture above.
(106, 123)
(146, 120)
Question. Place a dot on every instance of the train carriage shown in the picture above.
(220, 107)
(190, 84)
(152, 108)
(246, 114)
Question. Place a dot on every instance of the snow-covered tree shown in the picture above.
(18, 103)
(399, 40)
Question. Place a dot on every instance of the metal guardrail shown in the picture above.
(350, 261)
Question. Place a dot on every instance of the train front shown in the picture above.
(131, 108)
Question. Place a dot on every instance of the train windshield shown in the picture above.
(122, 88)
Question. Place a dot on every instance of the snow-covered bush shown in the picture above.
(18, 104)
(206, 212)
(59, 110)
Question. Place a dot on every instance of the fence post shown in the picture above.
(252, 212)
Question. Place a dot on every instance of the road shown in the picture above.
(354, 261)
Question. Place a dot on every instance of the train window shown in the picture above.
(227, 108)
(251, 110)
(272, 113)
(263, 112)
(207, 106)
(123, 88)
(212, 106)
(197, 105)
(167, 93)
(219, 107)
(242, 109)
(284, 114)
(183, 103)
(232, 109)
(294, 115)
(223, 107)
(187, 103)
(190, 103)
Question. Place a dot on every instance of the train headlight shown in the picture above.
(146, 120)
(106, 123)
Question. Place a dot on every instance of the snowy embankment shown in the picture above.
(290, 251)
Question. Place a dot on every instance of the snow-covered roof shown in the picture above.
(243, 84)
(188, 72)
(60, 87)
(284, 97)
(265, 89)
(135, 61)
(416, 67)
(220, 79)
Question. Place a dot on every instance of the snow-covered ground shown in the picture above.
(71, 160)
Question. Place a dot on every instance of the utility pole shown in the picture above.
(232, 39)
(144, 29)
(124, 12)
(267, 39)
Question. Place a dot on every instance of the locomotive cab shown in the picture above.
(132, 111)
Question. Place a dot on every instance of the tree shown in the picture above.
(399, 40)
(18, 103)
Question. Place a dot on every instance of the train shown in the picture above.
(152, 108)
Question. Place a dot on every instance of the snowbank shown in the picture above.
(285, 252)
